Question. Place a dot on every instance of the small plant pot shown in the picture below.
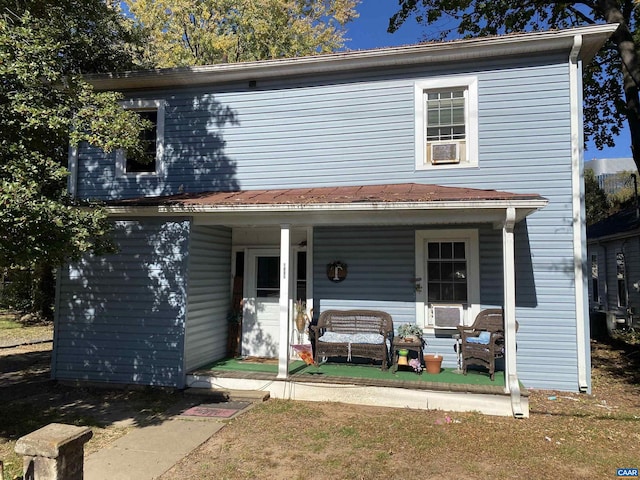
(402, 356)
(433, 363)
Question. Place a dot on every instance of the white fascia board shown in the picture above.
(529, 205)
(522, 45)
(448, 213)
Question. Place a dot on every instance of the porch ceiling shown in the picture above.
(405, 203)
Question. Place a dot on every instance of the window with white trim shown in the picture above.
(621, 277)
(595, 290)
(447, 277)
(153, 139)
(446, 123)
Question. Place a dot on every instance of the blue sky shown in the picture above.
(370, 31)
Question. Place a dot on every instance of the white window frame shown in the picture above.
(621, 280)
(595, 275)
(470, 84)
(121, 158)
(472, 245)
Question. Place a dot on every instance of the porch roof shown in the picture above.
(384, 204)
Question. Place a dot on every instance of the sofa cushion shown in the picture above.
(368, 338)
(483, 338)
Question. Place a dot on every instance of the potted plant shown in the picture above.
(410, 332)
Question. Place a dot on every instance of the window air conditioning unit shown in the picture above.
(447, 316)
(445, 152)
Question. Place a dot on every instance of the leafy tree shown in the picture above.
(623, 184)
(188, 32)
(611, 80)
(45, 106)
(596, 202)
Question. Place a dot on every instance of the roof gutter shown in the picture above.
(190, 209)
(422, 54)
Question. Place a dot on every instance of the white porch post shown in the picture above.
(508, 251)
(285, 274)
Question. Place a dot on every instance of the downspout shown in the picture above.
(579, 229)
(509, 311)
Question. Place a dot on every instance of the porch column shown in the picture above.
(285, 272)
(508, 265)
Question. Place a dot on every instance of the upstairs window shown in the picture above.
(152, 138)
(446, 123)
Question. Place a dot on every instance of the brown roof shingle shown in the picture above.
(393, 193)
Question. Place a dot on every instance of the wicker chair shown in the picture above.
(483, 342)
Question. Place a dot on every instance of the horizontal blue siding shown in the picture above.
(351, 130)
(120, 318)
(209, 295)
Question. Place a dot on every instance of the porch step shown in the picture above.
(227, 395)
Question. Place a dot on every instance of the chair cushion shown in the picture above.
(483, 338)
(369, 338)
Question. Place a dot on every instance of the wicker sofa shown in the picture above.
(353, 333)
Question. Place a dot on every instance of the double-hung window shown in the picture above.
(447, 277)
(152, 138)
(446, 123)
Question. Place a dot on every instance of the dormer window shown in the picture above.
(446, 123)
(152, 138)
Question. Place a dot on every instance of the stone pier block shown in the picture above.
(54, 452)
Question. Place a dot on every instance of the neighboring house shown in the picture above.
(447, 177)
(613, 250)
(610, 173)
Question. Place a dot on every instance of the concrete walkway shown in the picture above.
(147, 452)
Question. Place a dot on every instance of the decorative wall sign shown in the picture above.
(337, 271)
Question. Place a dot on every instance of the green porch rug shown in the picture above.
(327, 370)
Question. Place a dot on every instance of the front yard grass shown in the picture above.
(12, 330)
(568, 435)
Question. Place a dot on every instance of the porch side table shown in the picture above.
(412, 346)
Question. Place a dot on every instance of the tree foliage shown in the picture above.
(45, 106)
(611, 80)
(188, 32)
(596, 202)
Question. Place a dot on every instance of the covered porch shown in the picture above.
(363, 384)
(309, 219)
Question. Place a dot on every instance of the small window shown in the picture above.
(595, 292)
(621, 275)
(446, 123)
(153, 139)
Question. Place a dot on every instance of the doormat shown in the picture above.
(206, 411)
(268, 361)
(223, 410)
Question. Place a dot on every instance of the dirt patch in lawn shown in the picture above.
(567, 436)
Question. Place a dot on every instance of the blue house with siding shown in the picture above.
(444, 177)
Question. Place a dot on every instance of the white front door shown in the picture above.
(261, 311)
